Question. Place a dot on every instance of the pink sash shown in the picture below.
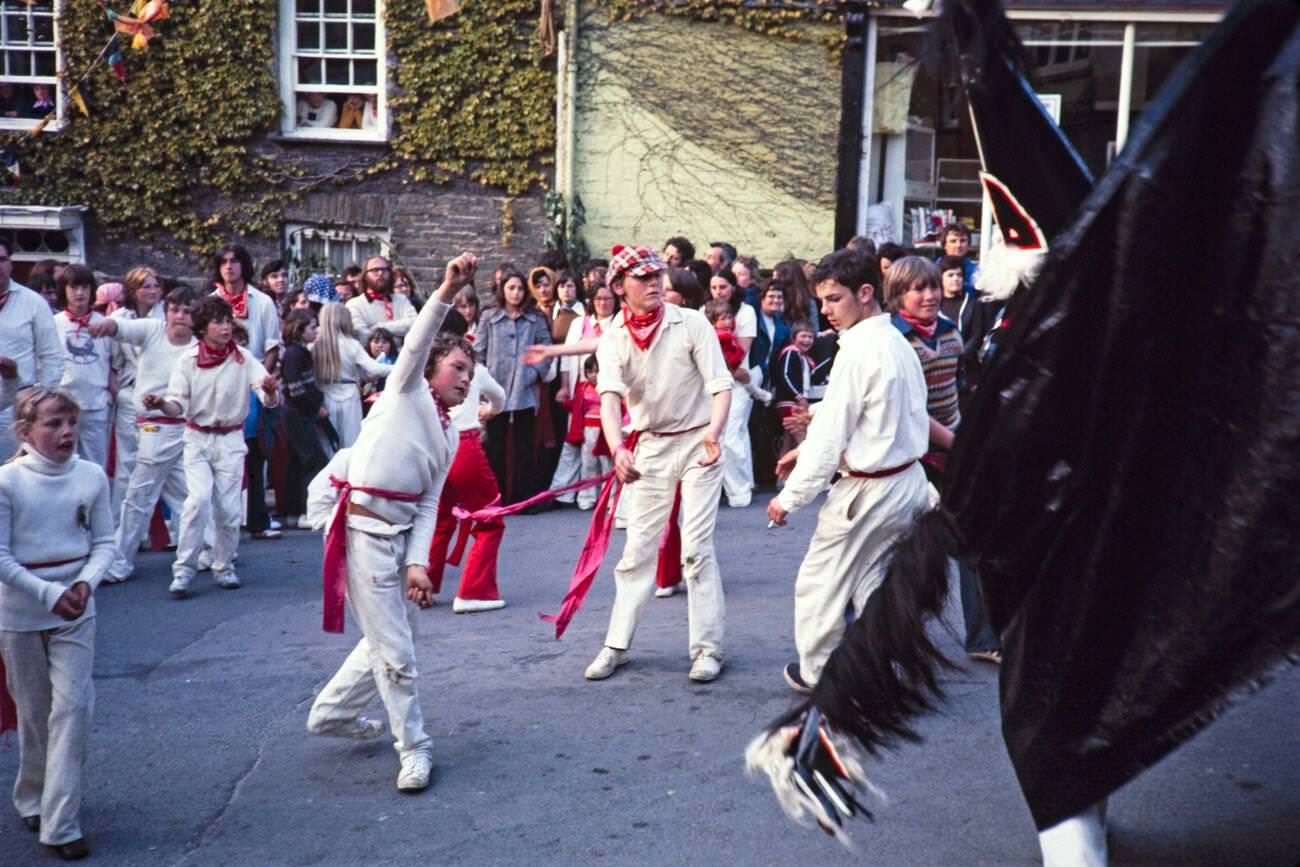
(336, 549)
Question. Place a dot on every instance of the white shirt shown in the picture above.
(126, 356)
(355, 364)
(50, 512)
(481, 387)
(158, 357)
(580, 329)
(668, 387)
(215, 396)
(873, 417)
(746, 322)
(403, 445)
(28, 336)
(262, 324)
(87, 362)
(325, 116)
(367, 314)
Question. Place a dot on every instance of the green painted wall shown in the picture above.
(706, 130)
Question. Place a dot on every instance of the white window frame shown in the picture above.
(15, 7)
(68, 219)
(331, 235)
(289, 54)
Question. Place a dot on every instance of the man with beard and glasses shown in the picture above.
(378, 306)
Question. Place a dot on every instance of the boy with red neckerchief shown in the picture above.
(209, 388)
(378, 306)
(665, 362)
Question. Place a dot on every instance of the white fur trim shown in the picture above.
(1004, 269)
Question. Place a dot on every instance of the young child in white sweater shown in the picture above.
(87, 361)
(378, 542)
(56, 540)
(209, 388)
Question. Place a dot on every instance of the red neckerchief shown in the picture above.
(79, 321)
(924, 329)
(238, 303)
(642, 328)
(444, 414)
(387, 300)
(209, 357)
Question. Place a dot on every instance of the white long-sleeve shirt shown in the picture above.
(215, 396)
(126, 356)
(670, 386)
(481, 387)
(28, 336)
(367, 314)
(355, 364)
(50, 512)
(404, 447)
(873, 417)
(582, 328)
(157, 357)
(87, 362)
(262, 324)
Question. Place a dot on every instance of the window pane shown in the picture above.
(308, 36)
(336, 72)
(1089, 91)
(309, 71)
(313, 252)
(1070, 31)
(16, 29)
(365, 72)
(20, 63)
(339, 257)
(336, 36)
(366, 249)
(308, 7)
(363, 37)
(363, 8)
(45, 64)
(336, 7)
(43, 30)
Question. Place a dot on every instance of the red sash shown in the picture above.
(335, 576)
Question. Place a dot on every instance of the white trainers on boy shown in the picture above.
(359, 729)
(605, 663)
(705, 668)
(416, 770)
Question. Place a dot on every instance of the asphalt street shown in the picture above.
(200, 757)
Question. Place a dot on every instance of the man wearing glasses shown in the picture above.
(378, 306)
(29, 344)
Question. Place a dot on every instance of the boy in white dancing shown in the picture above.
(378, 541)
(666, 363)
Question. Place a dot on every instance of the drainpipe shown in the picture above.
(868, 121)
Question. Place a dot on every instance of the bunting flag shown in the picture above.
(136, 25)
(9, 161)
(440, 9)
(74, 94)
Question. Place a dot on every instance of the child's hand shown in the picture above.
(151, 401)
(419, 589)
(72, 604)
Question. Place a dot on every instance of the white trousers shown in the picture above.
(591, 466)
(663, 461)
(159, 470)
(343, 401)
(214, 474)
(49, 676)
(844, 565)
(567, 470)
(383, 662)
(738, 460)
(125, 444)
(92, 434)
(1079, 841)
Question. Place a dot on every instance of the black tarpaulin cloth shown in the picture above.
(1129, 474)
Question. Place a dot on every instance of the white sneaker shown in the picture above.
(359, 729)
(414, 776)
(665, 592)
(705, 668)
(605, 663)
(228, 581)
(180, 586)
(304, 523)
(468, 606)
(275, 525)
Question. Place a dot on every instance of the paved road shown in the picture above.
(199, 755)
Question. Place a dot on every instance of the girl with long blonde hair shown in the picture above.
(341, 364)
(144, 291)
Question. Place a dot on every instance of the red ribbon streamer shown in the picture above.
(335, 577)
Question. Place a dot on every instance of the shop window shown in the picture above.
(330, 249)
(35, 233)
(29, 74)
(333, 69)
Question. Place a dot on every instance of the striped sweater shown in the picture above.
(939, 357)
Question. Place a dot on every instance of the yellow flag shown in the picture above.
(75, 95)
(440, 9)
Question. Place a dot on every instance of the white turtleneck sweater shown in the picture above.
(50, 511)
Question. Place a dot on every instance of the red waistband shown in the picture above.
(158, 419)
(215, 428)
(880, 474)
(53, 563)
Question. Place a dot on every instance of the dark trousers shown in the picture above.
(306, 458)
(512, 452)
(254, 470)
(765, 441)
